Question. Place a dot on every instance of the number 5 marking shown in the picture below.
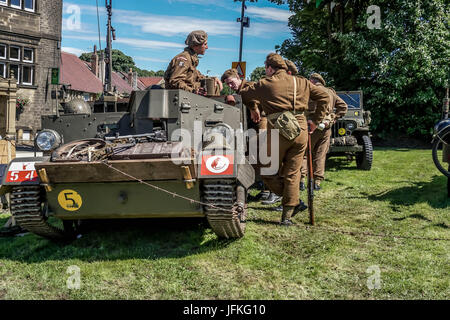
(70, 200)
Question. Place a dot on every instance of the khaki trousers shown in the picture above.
(287, 182)
(320, 144)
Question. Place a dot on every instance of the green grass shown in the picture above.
(403, 195)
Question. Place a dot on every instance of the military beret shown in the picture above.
(196, 38)
(230, 73)
(318, 77)
(291, 67)
(274, 60)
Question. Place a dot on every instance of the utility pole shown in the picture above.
(111, 35)
(245, 23)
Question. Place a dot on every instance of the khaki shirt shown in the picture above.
(182, 72)
(336, 109)
(276, 94)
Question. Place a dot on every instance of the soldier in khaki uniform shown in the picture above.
(182, 71)
(273, 95)
(320, 140)
(292, 68)
(232, 79)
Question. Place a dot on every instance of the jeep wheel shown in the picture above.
(364, 159)
(438, 145)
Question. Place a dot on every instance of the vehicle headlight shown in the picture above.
(48, 140)
(350, 126)
(220, 130)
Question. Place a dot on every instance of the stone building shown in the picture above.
(30, 42)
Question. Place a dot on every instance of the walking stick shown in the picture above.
(310, 179)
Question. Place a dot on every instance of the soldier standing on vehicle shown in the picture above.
(275, 95)
(182, 71)
(320, 139)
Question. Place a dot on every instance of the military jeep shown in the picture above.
(351, 134)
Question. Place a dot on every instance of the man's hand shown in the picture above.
(312, 127)
(200, 91)
(219, 83)
(256, 116)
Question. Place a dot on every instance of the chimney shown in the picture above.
(94, 62)
(130, 77)
(135, 80)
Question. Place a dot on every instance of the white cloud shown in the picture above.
(176, 25)
(151, 59)
(74, 51)
(221, 3)
(182, 25)
(137, 43)
(270, 13)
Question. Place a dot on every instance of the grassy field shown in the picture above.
(403, 195)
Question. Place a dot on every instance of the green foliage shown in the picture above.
(122, 62)
(402, 67)
(226, 90)
(257, 74)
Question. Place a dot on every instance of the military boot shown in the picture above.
(317, 185)
(286, 216)
(302, 185)
(265, 195)
(272, 199)
(300, 208)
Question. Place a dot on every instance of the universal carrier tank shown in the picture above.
(173, 154)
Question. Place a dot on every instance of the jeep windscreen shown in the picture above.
(353, 100)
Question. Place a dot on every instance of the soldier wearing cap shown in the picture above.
(320, 140)
(292, 68)
(182, 71)
(232, 79)
(275, 94)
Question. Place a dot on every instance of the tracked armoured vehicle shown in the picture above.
(171, 154)
(351, 134)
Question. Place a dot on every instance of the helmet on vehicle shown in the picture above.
(77, 106)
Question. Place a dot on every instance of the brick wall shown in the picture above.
(42, 31)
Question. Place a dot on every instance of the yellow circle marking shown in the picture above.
(356, 113)
(70, 200)
(342, 131)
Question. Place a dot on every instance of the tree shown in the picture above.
(257, 74)
(122, 62)
(226, 90)
(401, 67)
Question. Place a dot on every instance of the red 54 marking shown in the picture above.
(22, 172)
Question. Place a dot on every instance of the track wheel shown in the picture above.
(228, 211)
(30, 210)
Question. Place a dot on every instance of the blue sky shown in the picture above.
(154, 31)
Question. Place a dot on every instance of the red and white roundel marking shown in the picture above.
(217, 164)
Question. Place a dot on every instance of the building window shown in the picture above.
(2, 51)
(4, 2)
(27, 75)
(14, 68)
(19, 62)
(3, 70)
(14, 53)
(16, 4)
(28, 55)
(29, 5)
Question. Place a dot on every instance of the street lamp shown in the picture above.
(245, 23)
